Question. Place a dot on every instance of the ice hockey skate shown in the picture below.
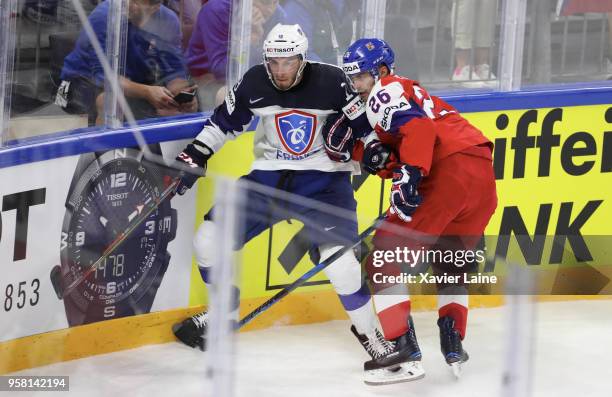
(191, 330)
(450, 344)
(374, 343)
(392, 361)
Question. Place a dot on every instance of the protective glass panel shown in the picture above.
(44, 33)
(57, 80)
(100, 276)
(568, 42)
(303, 344)
(330, 27)
(446, 45)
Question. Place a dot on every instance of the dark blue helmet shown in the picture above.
(366, 55)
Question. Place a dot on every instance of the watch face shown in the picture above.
(112, 192)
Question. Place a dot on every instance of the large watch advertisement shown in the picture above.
(58, 218)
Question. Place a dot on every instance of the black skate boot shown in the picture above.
(374, 343)
(401, 364)
(450, 344)
(191, 330)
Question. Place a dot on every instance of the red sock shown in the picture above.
(458, 313)
(394, 320)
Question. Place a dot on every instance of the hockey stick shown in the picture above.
(121, 237)
(285, 291)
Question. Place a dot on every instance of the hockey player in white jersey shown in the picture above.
(294, 99)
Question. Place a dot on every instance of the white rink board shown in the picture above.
(29, 301)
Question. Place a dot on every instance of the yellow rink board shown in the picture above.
(544, 196)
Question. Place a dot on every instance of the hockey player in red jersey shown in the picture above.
(442, 196)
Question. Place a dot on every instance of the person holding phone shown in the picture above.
(184, 97)
(154, 77)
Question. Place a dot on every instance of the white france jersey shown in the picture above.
(289, 132)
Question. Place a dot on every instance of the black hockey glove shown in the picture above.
(338, 138)
(375, 156)
(404, 195)
(192, 164)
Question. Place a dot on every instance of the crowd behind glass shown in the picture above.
(175, 54)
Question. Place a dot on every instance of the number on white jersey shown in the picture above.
(383, 102)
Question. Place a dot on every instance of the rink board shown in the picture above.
(580, 118)
(570, 187)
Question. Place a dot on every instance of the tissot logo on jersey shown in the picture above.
(296, 130)
(355, 108)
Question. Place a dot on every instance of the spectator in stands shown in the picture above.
(473, 25)
(154, 67)
(187, 11)
(208, 49)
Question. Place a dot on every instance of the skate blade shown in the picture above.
(457, 369)
(405, 372)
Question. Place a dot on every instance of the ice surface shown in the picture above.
(572, 358)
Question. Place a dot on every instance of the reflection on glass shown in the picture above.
(155, 80)
(58, 82)
(176, 46)
(330, 25)
(473, 30)
(446, 44)
(571, 41)
(208, 49)
(45, 32)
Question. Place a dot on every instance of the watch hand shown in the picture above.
(120, 238)
(103, 221)
(137, 211)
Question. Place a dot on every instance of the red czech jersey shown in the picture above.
(422, 129)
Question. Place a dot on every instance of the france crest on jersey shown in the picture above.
(296, 130)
